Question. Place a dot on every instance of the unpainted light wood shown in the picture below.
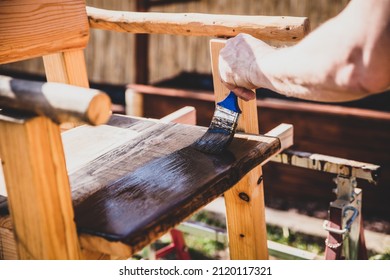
(34, 28)
(330, 164)
(285, 133)
(195, 24)
(59, 102)
(38, 189)
(185, 115)
(7, 240)
(67, 67)
(134, 103)
(3, 190)
(245, 201)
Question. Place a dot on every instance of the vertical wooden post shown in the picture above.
(68, 68)
(135, 100)
(245, 208)
(38, 189)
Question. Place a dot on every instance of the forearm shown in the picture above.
(337, 62)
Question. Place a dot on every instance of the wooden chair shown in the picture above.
(107, 191)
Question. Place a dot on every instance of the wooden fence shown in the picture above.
(110, 55)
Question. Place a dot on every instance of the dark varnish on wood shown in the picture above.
(162, 181)
(160, 194)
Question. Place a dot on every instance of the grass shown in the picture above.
(216, 250)
(205, 248)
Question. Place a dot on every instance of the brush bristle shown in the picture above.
(220, 132)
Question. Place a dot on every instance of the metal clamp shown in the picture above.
(348, 224)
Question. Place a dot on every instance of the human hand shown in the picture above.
(238, 65)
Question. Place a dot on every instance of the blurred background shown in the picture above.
(110, 57)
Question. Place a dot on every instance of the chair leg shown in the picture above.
(245, 201)
(28, 149)
(177, 246)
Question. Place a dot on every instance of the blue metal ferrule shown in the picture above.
(230, 102)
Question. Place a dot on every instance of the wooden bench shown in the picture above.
(94, 192)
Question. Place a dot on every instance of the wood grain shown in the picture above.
(7, 240)
(196, 24)
(60, 102)
(160, 184)
(38, 189)
(245, 202)
(66, 67)
(34, 28)
(340, 166)
(3, 191)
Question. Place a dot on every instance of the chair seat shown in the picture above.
(134, 179)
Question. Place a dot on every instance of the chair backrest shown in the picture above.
(35, 28)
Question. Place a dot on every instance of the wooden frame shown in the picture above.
(245, 201)
(48, 231)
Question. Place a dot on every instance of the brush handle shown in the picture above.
(230, 102)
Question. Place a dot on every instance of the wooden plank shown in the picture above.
(245, 202)
(79, 151)
(59, 102)
(120, 217)
(36, 28)
(285, 133)
(185, 115)
(68, 68)
(160, 184)
(7, 240)
(3, 191)
(273, 28)
(134, 103)
(40, 206)
(335, 165)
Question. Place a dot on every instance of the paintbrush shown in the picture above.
(222, 127)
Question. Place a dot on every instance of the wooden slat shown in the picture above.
(245, 202)
(285, 133)
(67, 67)
(38, 189)
(329, 164)
(185, 115)
(284, 28)
(161, 184)
(3, 190)
(35, 28)
(7, 240)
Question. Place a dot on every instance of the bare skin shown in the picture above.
(346, 58)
